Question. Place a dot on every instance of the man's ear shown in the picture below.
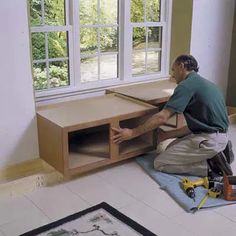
(181, 65)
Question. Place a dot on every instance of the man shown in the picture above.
(205, 135)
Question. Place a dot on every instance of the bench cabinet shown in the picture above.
(75, 136)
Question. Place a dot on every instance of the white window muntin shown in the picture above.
(49, 29)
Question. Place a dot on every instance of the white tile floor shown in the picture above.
(126, 187)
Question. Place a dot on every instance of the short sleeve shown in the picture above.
(180, 99)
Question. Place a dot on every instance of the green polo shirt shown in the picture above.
(202, 104)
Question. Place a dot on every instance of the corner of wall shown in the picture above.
(230, 93)
(181, 28)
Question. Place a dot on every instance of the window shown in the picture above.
(82, 45)
(147, 36)
(50, 31)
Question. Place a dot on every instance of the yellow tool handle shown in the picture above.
(199, 182)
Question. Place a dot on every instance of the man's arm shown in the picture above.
(176, 133)
(153, 122)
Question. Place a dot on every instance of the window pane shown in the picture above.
(58, 74)
(139, 38)
(57, 44)
(108, 11)
(138, 63)
(108, 39)
(89, 69)
(88, 12)
(154, 37)
(54, 12)
(137, 10)
(40, 76)
(35, 12)
(108, 67)
(88, 40)
(38, 46)
(153, 10)
(153, 62)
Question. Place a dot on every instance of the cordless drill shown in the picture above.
(189, 185)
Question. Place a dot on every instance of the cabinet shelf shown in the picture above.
(81, 159)
(134, 145)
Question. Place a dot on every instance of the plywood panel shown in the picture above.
(80, 159)
(91, 110)
(50, 143)
(153, 92)
(133, 145)
(156, 93)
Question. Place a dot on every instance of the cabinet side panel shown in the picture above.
(50, 143)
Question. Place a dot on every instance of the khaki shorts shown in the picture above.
(188, 155)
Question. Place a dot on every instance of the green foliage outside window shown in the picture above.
(58, 76)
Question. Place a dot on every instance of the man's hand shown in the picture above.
(121, 134)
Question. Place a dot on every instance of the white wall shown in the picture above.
(211, 38)
(18, 133)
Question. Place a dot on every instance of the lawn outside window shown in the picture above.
(80, 46)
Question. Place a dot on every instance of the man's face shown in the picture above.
(178, 72)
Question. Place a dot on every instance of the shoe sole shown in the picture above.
(222, 164)
(229, 152)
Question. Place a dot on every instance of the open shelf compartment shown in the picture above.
(137, 145)
(87, 146)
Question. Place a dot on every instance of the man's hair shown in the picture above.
(190, 63)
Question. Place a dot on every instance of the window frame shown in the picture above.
(125, 29)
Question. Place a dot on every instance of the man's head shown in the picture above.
(182, 66)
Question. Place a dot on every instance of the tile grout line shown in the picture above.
(218, 213)
(108, 183)
(77, 195)
(41, 210)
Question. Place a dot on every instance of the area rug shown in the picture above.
(172, 185)
(98, 220)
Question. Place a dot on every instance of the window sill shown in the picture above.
(68, 94)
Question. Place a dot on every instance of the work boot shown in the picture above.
(212, 175)
(219, 164)
(229, 152)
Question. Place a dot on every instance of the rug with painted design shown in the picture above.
(98, 220)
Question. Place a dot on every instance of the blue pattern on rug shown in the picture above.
(172, 184)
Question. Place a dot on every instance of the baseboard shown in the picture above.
(231, 110)
(27, 177)
(24, 169)
(232, 118)
(232, 114)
